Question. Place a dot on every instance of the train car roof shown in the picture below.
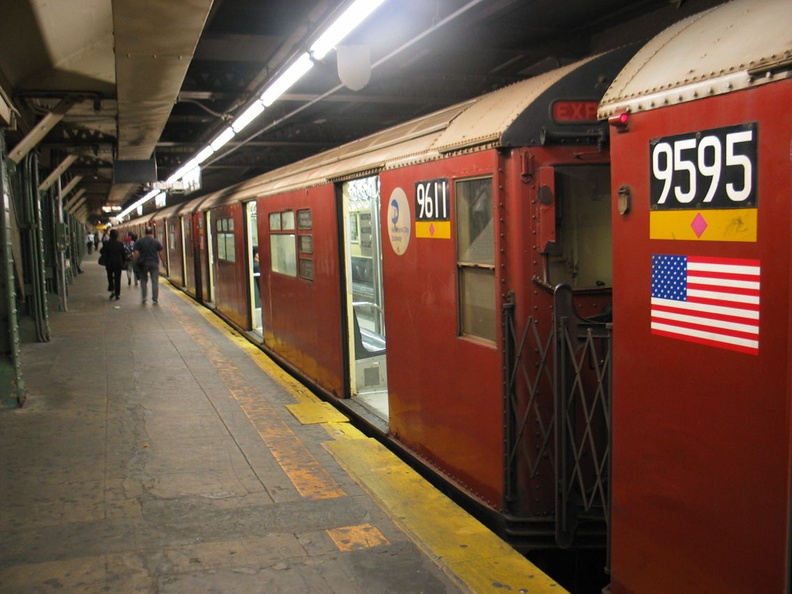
(142, 220)
(494, 119)
(730, 47)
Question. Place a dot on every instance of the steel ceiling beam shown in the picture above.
(40, 130)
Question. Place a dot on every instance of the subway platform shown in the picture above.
(160, 451)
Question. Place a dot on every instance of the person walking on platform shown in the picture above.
(114, 262)
(147, 251)
(129, 247)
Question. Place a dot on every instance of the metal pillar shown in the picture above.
(12, 393)
(60, 249)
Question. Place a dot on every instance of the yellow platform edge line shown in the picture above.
(264, 361)
(313, 413)
(461, 545)
(343, 431)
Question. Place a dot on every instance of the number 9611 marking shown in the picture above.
(709, 169)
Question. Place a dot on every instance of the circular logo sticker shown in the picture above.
(399, 221)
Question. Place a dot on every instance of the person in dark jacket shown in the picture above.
(114, 261)
(147, 250)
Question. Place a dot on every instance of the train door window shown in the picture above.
(254, 273)
(283, 244)
(365, 303)
(210, 258)
(186, 235)
(226, 248)
(476, 258)
(287, 220)
(305, 244)
(304, 219)
(582, 255)
(172, 236)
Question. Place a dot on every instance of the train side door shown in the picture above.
(254, 274)
(188, 254)
(210, 250)
(365, 304)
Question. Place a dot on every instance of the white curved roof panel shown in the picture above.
(736, 45)
(512, 116)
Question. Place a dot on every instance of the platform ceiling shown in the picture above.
(159, 79)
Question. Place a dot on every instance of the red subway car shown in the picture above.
(447, 281)
(700, 143)
(572, 310)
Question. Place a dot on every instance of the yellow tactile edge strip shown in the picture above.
(457, 542)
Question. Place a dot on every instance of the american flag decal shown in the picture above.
(712, 301)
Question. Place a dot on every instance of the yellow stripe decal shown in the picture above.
(433, 229)
(739, 224)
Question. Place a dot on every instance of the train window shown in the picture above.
(283, 253)
(306, 269)
(275, 221)
(582, 255)
(225, 240)
(304, 219)
(287, 220)
(476, 257)
(354, 227)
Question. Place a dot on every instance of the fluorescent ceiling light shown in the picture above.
(204, 154)
(176, 175)
(357, 12)
(190, 165)
(250, 114)
(343, 26)
(140, 202)
(284, 82)
(218, 142)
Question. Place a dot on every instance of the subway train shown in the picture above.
(567, 300)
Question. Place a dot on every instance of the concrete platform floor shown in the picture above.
(158, 451)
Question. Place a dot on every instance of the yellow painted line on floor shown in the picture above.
(272, 369)
(343, 431)
(309, 477)
(456, 540)
(306, 473)
(314, 413)
(356, 538)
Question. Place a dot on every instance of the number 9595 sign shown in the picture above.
(709, 169)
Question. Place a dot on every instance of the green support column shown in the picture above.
(12, 391)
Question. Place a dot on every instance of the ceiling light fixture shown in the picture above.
(349, 20)
(285, 81)
(343, 26)
(221, 140)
